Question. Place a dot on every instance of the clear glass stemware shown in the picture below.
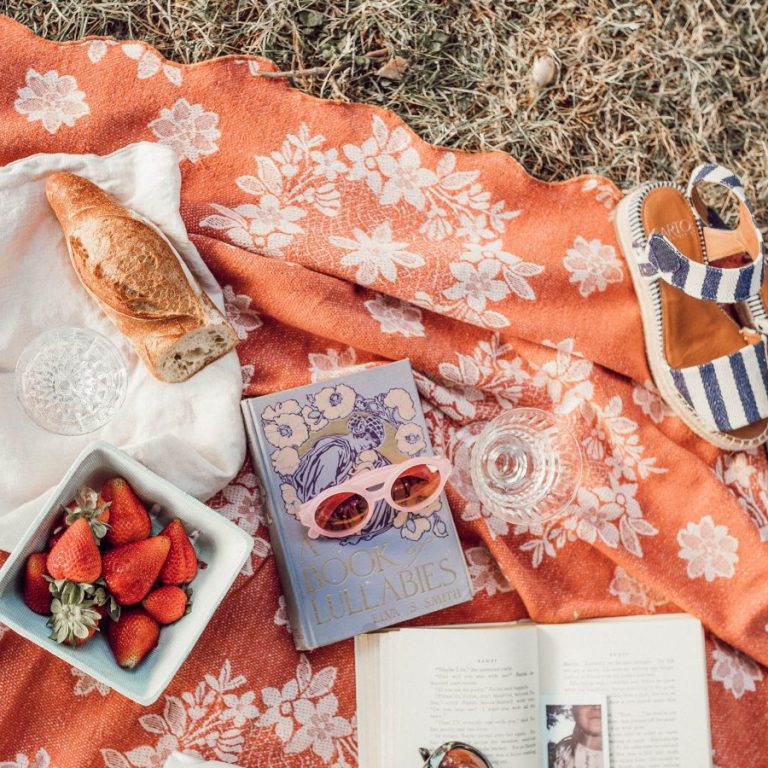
(526, 466)
(71, 381)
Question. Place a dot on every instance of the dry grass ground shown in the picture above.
(642, 89)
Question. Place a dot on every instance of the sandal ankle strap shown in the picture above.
(705, 281)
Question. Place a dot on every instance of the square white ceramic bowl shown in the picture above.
(221, 545)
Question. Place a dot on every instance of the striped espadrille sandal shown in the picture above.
(732, 244)
(712, 373)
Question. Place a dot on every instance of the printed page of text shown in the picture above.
(474, 685)
(368, 699)
(653, 671)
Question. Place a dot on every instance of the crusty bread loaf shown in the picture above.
(134, 273)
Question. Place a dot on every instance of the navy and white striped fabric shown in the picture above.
(729, 392)
(704, 281)
(711, 173)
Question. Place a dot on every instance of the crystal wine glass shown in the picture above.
(526, 466)
(71, 380)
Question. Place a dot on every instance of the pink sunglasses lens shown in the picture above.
(415, 485)
(462, 758)
(341, 512)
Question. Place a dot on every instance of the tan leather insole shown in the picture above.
(695, 331)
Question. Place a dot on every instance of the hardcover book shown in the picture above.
(402, 564)
(604, 693)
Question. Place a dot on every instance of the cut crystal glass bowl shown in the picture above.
(71, 381)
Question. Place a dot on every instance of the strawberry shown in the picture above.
(128, 519)
(75, 616)
(181, 564)
(132, 637)
(131, 569)
(91, 632)
(37, 594)
(167, 604)
(90, 506)
(75, 555)
(103, 616)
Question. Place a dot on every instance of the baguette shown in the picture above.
(139, 280)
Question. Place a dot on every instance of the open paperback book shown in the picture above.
(524, 693)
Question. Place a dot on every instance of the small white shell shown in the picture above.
(543, 71)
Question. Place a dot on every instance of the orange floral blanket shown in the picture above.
(341, 239)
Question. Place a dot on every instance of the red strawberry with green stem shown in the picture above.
(181, 564)
(132, 637)
(128, 519)
(37, 594)
(75, 556)
(75, 615)
(90, 506)
(131, 569)
(168, 604)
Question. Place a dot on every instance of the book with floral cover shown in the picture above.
(402, 564)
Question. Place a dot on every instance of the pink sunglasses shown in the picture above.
(345, 509)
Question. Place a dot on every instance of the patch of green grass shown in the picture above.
(643, 90)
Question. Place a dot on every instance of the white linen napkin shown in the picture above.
(178, 760)
(189, 433)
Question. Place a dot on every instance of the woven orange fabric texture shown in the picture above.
(342, 239)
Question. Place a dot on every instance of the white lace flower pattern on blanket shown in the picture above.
(333, 363)
(648, 398)
(242, 502)
(281, 615)
(298, 178)
(304, 715)
(629, 591)
(485, 572)
(485, 273)
(52, 99)
(395, 315)
(97, 49)
(219, 717)
(188, 129)
(487, 370)
(239, 313)
(566, 377)
(304, 177)
(148, 63)
(592, 265)
(745, 474)
(211, 721)
(86, 684)
(709, 550)
(41, 760)
(376, 254)
(736, 671)
(604, 193)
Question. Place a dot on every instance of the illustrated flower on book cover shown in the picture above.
(410, 439)
(401, 401)
(285, 460)
(337, 433)
(335, 402)
(284, 426)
